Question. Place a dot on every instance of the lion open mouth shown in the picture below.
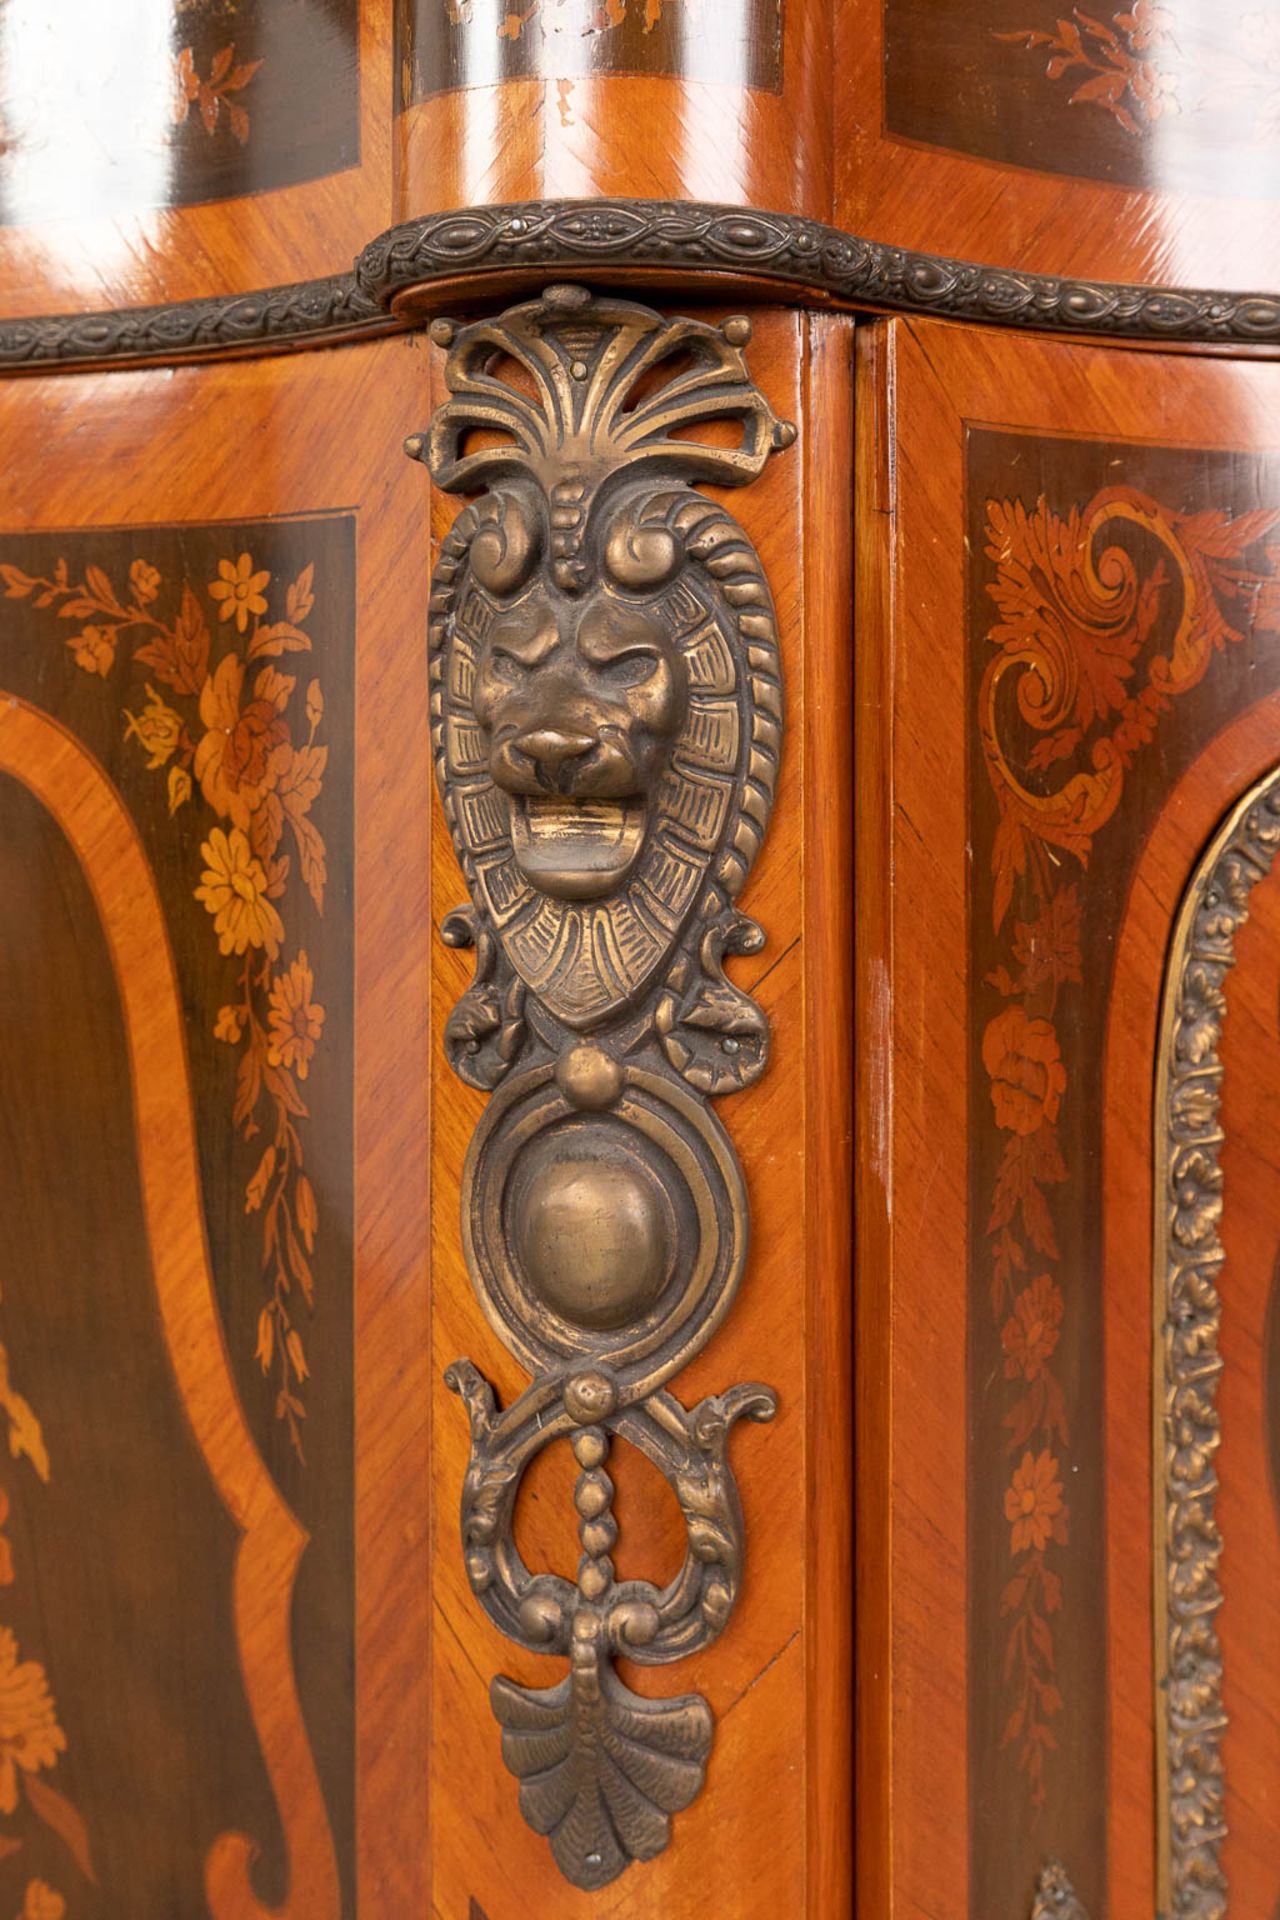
(576, 849)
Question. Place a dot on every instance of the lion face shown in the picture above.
(578, 697)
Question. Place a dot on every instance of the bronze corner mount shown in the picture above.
(606, 713)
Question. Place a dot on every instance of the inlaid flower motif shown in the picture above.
(43, 1902)
(1155, 89)
(1144, 24)
(245, 749)
(30, 1737)
(233, 888)
(157, 729)
(1033, 1501)
(229, 1025)
(1028, 1078)
(95, 650)
(1030, 1334)
(239, 589)
(144, 582)
(295, 1019)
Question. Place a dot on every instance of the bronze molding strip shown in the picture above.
(517, 247)
(273, 320)
(809, 261)
(1187, 1264)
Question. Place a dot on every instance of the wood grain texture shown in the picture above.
(368, 399)
(777, 1780)
(88, 231)
(46, 759)
(580, 128)
(901, 178)
(934, 388)
(1240, 754)
(1247, 1503)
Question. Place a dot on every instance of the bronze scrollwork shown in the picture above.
(606, 710)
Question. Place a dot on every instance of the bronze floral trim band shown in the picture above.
(523, 244)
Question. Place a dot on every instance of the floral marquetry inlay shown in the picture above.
(233, 726)
(32, 1739)
(1106, 615)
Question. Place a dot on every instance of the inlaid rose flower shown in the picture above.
(1028, 1078)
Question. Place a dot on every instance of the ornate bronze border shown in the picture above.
(1056, 1898)
(802, 257)
(519, 246)
(276, 319)
(1188, 1259)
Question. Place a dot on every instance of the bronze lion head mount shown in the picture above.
(579, 694)
(606, 702)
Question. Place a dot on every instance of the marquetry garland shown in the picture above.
(31, 1736)
(236, 738)
(211, 95)
(1094, 640)
(1189, 1258)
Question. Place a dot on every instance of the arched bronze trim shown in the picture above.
(480, 252)
(1187, 1264)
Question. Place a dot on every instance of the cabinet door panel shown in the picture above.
(1076, 633)
(212, 988)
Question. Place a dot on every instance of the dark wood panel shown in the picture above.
(112, 1789)
(1124, 608)
(1116, 691)
(1167, 97)
(229, 734)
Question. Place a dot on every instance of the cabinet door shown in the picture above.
(244, 1664)
(1068, 742)
(214, 1016)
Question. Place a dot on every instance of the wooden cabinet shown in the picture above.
(639, 681)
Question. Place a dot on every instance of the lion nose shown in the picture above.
(550, 747)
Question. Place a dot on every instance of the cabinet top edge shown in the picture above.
(688, 249)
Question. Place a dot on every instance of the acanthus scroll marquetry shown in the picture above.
(606, 710)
